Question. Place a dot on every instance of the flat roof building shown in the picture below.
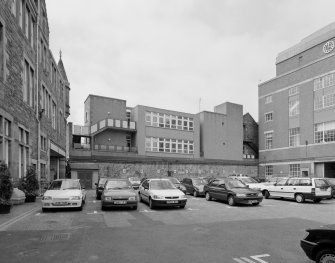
(297, 110)
(171, 141)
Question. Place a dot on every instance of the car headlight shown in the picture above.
(158, 197)
(260, 194)
(47, 198)
(132, 198)
(74, 197)
(183, 197)
(240, 195)
(182, 187)
(108, 198)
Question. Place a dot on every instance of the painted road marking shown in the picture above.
(256, 257)
(95, 213)
(18, 218)
(147, 211)
(193, 209)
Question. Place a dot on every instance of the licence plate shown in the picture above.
(60, 203)
(172, 202)
(253, 201)
(120, 202)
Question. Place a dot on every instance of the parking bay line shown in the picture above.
(18, 218)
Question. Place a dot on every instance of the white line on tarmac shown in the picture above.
(147, 211)
(18, 218)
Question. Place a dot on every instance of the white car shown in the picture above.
(299, 189)
(251, 182)
(64, 193)
(161, 192)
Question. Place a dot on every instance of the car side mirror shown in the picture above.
(275, 184)
(96, 184)
(83, 187)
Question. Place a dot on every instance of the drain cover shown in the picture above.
(56, 237)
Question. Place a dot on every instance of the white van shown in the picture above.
(299, 189)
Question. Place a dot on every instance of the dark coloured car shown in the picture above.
(331, 182)
(319, 244)
(135, 182)
(194, 186)
(177, 184)
(232, 191)
(100, 187)
(118, 193)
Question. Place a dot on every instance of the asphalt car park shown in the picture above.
(201, 232)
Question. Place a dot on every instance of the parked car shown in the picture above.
(64, 193)
(331, 182)
(232, 191)
(194, 186)
(319, 244)
(135, 182)
(251, 182)
(273, 180)
(100, 187)
(177, 184)
(118, 193)
(161, 192)
(299, 189)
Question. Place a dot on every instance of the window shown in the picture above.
(294, 137)
(268, 140)
(294, 170)
(168, 145)
(324, 82)
(13, 7)
(28, 84)
(53, 117)
(293, 91)
(148, 118)
(21, 13)
(24, 151)
(169, 121)
(324, 98)
(268, 170)
(324, 132)
(268, 99)
(294, 106)
(43, 143)
(268, 116)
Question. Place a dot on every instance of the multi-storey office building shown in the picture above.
(117, 140)
(297, 110)
(34, 93)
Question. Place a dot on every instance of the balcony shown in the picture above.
(102, 125)
(114, 148)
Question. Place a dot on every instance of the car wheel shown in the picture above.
(208, 196)
(299, 198)
(182, 206)
(266, 194)
(317, 200)
(231, 200)
(255, 204)
(80, 208)
(140, 197)
(325, 256)
(103, 208)
(195, 194)
(134, 207)
(44, 209)
(98, 197)
(151, 205)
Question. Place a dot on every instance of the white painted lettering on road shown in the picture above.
(256, 258)
(147, 211)
(95, 213)
(193, 209)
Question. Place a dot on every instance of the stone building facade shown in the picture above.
(34, 93)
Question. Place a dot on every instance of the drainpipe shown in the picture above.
(38, 113)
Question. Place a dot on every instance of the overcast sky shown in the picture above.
(170, 53)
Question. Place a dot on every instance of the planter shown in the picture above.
(30, 198)
(5, 209)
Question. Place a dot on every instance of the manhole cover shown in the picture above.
(56, 237)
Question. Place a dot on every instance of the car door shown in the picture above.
(290, 188)
(145, 191)
(187, 184)
(278, 188)
(213, 189)
(222, 191)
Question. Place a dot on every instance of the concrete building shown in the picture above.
(143, 141)
(34, 93)
(297, 110)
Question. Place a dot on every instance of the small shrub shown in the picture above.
(6, 186)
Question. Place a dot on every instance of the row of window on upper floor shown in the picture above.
(323, 133)
(169, 121)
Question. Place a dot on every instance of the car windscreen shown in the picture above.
(199, 181)
(135, 180)
(174, 180)
(249, 180)
(64, 185)
(117, 185)
(234, 183)
(161, 185)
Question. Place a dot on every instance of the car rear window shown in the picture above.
(63, 185)
(320, 183)
(102, 181)
(161, 185)
(118, 184)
